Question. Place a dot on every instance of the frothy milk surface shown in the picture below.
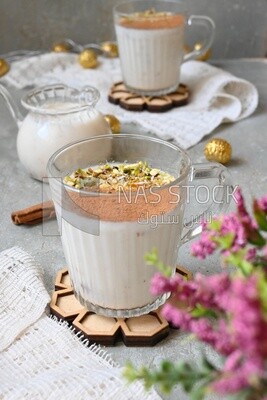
(151, 50)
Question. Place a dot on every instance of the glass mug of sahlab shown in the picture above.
(150, 37)
(105, 236)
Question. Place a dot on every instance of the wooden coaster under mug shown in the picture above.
(119, 95)
(146, 330)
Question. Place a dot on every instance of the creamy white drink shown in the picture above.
(39, 137)
(151, 51)
(117, 277)
(107, 268)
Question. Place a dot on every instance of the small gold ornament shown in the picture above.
(110, 49)
(61, 47)
(113, 122)
(4, 67)
(204, 57)
(218, 150)
(88, 58)
(187, 49)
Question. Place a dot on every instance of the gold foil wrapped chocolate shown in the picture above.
(206, 55)
(4, 67)
(61, 47)
(218, 150)
(110, 49)
(88, 59)
(113, 122)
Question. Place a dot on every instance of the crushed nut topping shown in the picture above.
(148, 14)
(110, 178)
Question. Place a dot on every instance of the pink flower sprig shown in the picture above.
(233, 235)
(210, 292)
(238, 375)
(219, 338)
(240, 330)
(226, 311)
(262, 202)
(237, 298)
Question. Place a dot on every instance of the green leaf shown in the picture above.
(168, 374)
(207, 365)
(245, 394)
(151, 258)
(199, 393)
(200, 311)
(237, 260)
(130, 373)
(262, 286)
(256, 238)
(260, 216)
(246, 267)
(225, 242)
(261, 220)
(215, 225)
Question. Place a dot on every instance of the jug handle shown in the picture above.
(14, 111)
(90, 95)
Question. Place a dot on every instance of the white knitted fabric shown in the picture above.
(23, 297)
(216, 95)
(41, 358)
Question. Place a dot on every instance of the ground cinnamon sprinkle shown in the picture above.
(141, 193)
(151, 19)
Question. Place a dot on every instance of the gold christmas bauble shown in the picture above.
(187, 49)
(61, 47)
(218, 150)
(110, 49)
(206, 55)
(113, 122)
(88, 58)
(4, 67)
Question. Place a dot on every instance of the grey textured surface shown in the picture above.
(248, 169)
(241, 29)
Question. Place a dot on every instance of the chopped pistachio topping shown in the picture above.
(148, 14)
(113, 177)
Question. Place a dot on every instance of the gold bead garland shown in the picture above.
(88, 59)
(4, 67)
(218, 150)
(61, 47)
(113, 122)
(198, 46)
(204, 57)
(110, 49)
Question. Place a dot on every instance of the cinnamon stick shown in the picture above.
(35, 214)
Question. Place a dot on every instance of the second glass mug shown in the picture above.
(150, 37)
(105, 236)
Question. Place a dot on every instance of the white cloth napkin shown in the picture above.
(42, 358)
(216, 95)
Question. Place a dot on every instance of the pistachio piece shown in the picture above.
(154, 172)
(110, 178)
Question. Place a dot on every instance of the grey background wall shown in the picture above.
(241, 25)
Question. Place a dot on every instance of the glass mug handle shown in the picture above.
(209, 25)
(220, 174)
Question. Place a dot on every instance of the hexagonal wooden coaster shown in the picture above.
(121, 96)
(62, 280)
(184, 272)
(100, 329)
(64, 305)
(146, 330)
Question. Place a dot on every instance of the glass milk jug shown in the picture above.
(58, 115)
